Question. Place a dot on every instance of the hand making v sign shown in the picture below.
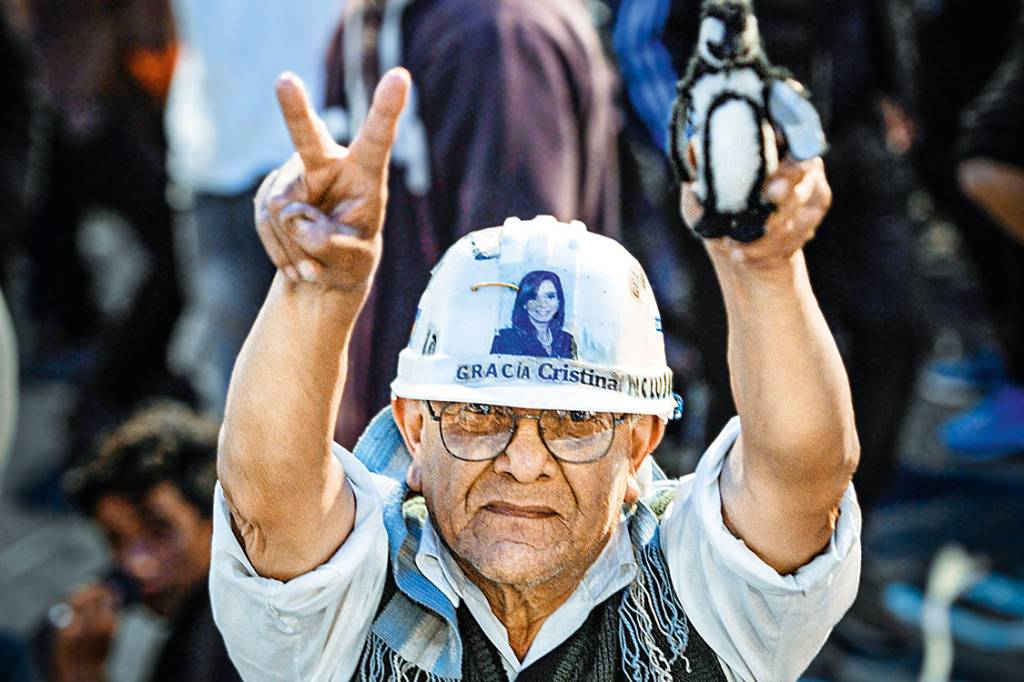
(319, 215)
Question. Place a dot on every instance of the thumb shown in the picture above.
(372, 145)
(309, 134)
(689, 204)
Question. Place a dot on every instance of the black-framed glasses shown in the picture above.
(477, 432)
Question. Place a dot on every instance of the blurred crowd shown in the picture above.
(144, 128)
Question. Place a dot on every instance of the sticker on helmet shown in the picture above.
(538, 317)
(637, 281)
(487, 372)
(430, 343)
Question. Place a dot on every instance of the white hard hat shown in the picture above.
(539, 314)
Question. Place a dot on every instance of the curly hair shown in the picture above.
(163, 442)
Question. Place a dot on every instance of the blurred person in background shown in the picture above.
(992, 150)
(861, 261)
(511, 114)
(148, 488)
(105, 65)
(960, 46)
(991, 174)
(224, 134)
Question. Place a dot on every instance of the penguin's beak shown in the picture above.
(729, 48)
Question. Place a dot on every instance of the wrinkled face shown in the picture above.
(524, 517)
(544, 306)
(161, 542)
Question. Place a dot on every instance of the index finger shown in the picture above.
(309, 134)
(372, 145)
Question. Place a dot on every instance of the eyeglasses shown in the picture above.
(477, 432)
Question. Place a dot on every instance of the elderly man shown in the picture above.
(502, 521)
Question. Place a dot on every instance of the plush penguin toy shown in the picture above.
(729, 108)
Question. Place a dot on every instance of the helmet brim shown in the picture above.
(530, 396)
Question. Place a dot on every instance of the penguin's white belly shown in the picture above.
(744, 82)
(735, 154)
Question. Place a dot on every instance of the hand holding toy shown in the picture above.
(730, 107)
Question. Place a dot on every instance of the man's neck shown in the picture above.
(522, 609)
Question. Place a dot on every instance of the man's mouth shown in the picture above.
(520, 511)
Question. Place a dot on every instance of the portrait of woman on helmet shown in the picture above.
(537, 319)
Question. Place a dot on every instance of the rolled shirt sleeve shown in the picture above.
(313, 626)
(763, 626)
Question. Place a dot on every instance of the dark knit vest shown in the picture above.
(618, 642)
(592, 654)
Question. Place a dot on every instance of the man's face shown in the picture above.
(524, 517)
(162, 542)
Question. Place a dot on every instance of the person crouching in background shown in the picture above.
(148, 487)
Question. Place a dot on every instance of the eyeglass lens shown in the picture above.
(479, 432)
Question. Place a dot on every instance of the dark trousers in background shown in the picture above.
(998, 261)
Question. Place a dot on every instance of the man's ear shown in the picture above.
(409, 419)
(408, 416)
(645, 436)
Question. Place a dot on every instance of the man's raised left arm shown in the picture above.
(782, 483)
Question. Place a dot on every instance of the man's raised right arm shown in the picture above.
(319, 217)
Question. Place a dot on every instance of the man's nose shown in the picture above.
(526, 458)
